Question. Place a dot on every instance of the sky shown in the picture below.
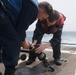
(67, 7)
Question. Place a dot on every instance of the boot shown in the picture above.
(30, 61)
(9, 72)
(0, 73)
(58, 62)
(0, 59)
(32, 57)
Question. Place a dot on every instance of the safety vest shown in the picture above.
(53, 28)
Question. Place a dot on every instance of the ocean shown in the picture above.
(68, 38)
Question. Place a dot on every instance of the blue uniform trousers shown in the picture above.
(9, 40)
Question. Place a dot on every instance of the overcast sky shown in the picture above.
(68, 8)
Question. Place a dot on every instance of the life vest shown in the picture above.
(53, 28)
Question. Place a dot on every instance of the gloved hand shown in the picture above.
(25, 44)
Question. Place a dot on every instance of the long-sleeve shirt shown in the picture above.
(17, 4)
(56, 30)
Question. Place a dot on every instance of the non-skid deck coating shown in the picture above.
(38, 68)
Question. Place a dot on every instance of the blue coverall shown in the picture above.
(11, 35)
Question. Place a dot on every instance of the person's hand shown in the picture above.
(40, 48)
(25, 44)
(34, 42)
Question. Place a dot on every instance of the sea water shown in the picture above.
(68, 38)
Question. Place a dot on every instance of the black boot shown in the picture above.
(0, 56)
(9, 72)
(32, 57)
(58, 62)
(30, 61)
(0, 73)
(0, 59)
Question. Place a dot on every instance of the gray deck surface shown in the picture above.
(38, 68)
